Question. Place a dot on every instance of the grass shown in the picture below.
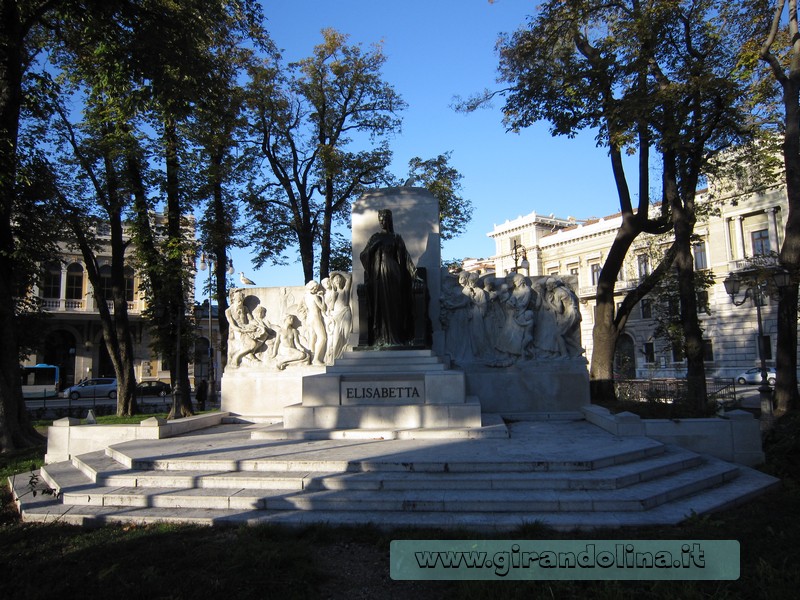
(166, 561)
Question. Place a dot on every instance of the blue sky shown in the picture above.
(438, 49)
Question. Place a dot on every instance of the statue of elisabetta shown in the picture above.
(390, 279)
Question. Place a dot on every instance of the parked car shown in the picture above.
(153, 388)
(101, 387)
(754, 376)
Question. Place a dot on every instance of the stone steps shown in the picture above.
(637, 498)
(45, 509)
(578, 476)
(387, 362)
(101, 469)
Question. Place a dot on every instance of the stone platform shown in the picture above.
(565, 475)
(373, 389)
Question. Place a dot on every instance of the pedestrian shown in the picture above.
(201, 394)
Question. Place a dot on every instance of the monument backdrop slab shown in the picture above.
(415, 213)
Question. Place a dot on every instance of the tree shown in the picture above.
(20, 24)
(87, 167)
(306, 118)
(651, 77)
(780, 51)
(183, 53)
(444, 182)
(221, 169)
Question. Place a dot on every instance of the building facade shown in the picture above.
(73, 338)
(742, 226)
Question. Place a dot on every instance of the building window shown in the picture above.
(702, 302)
(677, 352)
(647, 309)
(673, 307)
(129, 285)
(708, 350)
(649, 352)
(596, 268)
(700, 258)
(643, 262)
(51, 280)
(75, 282)
(105, 282)
(760, 240)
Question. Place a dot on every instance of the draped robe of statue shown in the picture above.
(389, 275)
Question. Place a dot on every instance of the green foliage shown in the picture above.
(311, 120)
(444, 182)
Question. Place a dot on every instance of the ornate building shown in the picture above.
(745, 225)
(74, 338)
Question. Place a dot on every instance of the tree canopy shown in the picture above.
(651, 77)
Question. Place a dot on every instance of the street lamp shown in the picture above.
(756, 288)
(520, 252)
(207, 262)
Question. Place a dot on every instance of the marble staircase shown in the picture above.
(565, 475)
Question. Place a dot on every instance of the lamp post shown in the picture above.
(518, 252)
(207, 262)
(757, 284)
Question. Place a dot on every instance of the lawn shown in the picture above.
(167, 561)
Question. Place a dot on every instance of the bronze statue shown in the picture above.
(389, 280)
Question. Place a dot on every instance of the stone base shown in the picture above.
(378, 389)
(545, 386)
(375, 416)
(262, 395)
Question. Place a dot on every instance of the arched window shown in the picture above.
(129, 284)
(105, 281)
(51, 280)
(75, 282)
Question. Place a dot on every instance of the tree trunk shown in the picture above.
(786, 393)
(325, 237)
(176, 243)
(305, 240)
(16, 430)
(606, 330)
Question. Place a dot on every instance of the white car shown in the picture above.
(754, 376)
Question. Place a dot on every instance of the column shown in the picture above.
(727, 232)
(740, 253)
(774, 239)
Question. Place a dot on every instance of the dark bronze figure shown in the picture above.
(390, 279)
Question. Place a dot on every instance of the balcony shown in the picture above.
(85, 305)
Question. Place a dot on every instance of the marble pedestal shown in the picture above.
(261, 396)
(537, 389)
(401, 389)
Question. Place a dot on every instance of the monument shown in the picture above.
(415, 346)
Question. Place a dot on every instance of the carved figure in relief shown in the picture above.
(568, 316)
(454, 314)
(316, 335)
(248, 335)
(287, 348)
(339, 314)
(479, 301)
(547, 340)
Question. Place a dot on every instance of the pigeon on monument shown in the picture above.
(245, 280)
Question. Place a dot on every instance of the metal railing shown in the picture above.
(45, 405)
(721, 391)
